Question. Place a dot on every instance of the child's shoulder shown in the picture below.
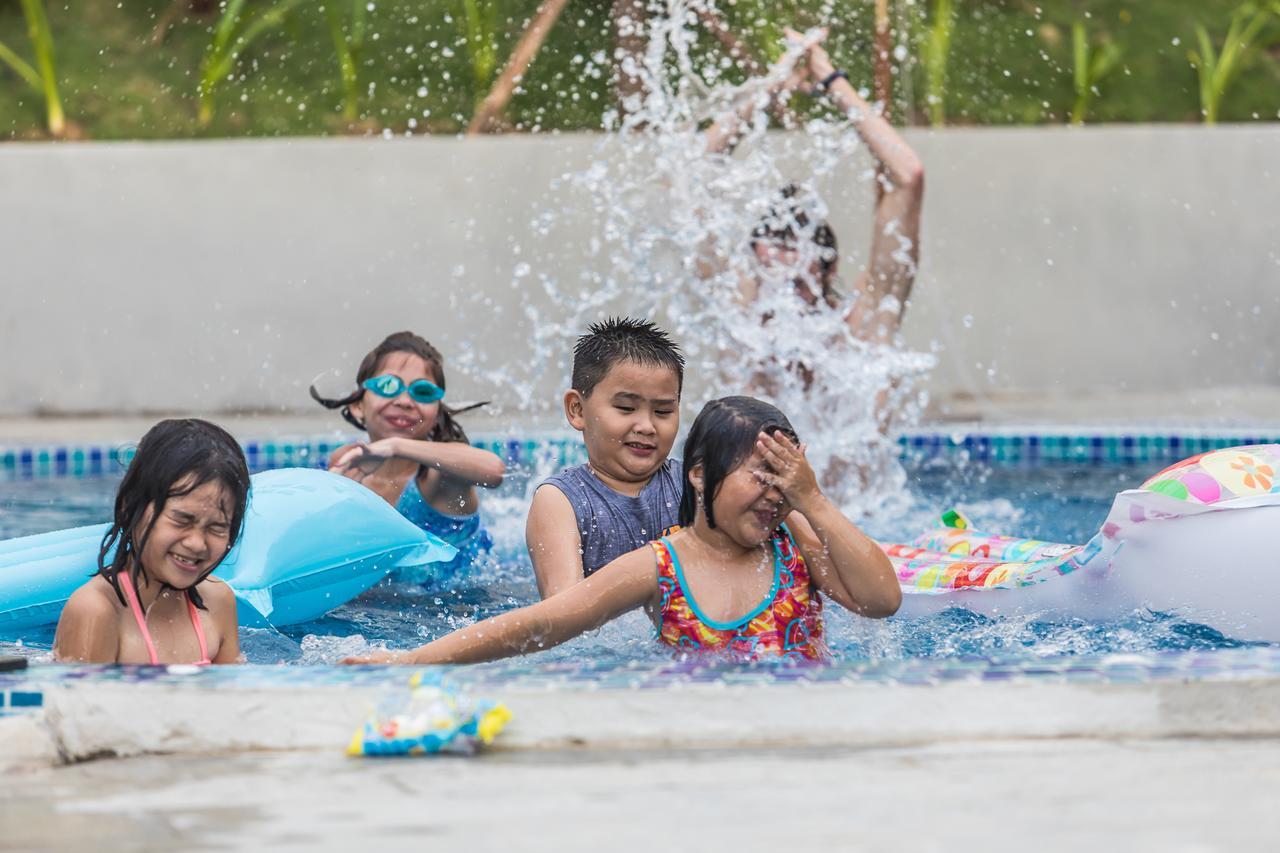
(217, 591)
(89, 625)
(94, 599)
(569, 474)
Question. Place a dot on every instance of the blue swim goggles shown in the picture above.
(390, 385)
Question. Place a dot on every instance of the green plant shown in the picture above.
(234, 32)
(936, 53)
(42, 77)
(760, 22)
(480, 17)
(348, 43)
(1091, 67)
(1217, 70)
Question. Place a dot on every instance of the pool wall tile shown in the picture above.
(20, 700)
(1002, 447)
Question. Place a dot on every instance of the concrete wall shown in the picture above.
(219, 276)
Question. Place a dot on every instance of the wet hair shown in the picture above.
(446, 427)
(722, 437)
(174, 458)
(788, 214)
(620, 339)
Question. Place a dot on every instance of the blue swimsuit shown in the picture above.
(463, 532)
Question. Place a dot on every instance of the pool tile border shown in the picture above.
(1246, 663)
(17, 698)
(1096, 447)
(1006, 447)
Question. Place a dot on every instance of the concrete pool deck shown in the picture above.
(85, 719)
(1174, 765)
(1069, 795)
(1206, 409)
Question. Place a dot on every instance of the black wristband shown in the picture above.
(825, 85)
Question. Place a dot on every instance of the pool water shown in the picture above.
(1055, 503)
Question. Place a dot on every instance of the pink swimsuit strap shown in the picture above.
(131, 595)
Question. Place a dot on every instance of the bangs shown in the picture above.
(723, 436)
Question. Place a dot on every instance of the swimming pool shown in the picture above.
(1054, 486)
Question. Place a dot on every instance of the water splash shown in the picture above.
(671, 240)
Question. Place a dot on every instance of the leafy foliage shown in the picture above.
(401, 66)
(42, 78)
(1217, 70)
(1091, 66)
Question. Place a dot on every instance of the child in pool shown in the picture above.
(178, 512)
(625, 400)
(417, 458)
(759, 546)
(787, 241)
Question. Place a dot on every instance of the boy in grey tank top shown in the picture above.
(625, 400)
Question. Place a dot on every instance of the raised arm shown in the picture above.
(628, 582)
(555, 545)
(784, 76)
(845, 563)
(884, 288)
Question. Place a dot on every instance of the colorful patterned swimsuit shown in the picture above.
(788, 623)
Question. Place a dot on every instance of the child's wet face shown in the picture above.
(783, 258)
(400, 416)
(630, 420)
(190, 535)
(747, 508)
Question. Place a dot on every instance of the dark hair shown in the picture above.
(620, 339)
(722, 437)
(446, 428)
(786, 216)
(174, 458)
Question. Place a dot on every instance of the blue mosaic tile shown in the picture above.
(25, 699)
(999, 448)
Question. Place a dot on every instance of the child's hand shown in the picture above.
(791, 472)
(808, 39)
(799, 77)
(364, 459)
(820, 64)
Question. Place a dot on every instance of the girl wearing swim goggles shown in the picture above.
(417, 457)
(391, 386)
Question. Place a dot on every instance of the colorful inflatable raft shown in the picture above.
(1198, 540)
(311, 542)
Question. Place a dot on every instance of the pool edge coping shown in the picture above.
(83, 721)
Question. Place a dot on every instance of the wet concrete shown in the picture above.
(1189, 794)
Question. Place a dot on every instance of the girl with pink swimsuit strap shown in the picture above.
(139, 617)
(178, 512)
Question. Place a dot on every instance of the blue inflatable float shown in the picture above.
(311, 542)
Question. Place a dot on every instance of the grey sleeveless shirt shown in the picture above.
(611, 524)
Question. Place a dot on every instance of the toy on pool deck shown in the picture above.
(432, 717)
(1196, 540)
(311, 542)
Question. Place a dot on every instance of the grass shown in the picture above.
(1011, 62)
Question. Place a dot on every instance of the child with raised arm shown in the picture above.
(792, 242)
(625, 400)
(759, 547)
(178, 513)
(417, 457)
